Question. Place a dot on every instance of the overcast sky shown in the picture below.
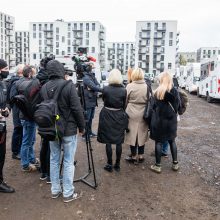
(198, 20)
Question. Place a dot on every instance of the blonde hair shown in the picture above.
(137, 74)
(115, 77)
(129, 74)
(166, 83)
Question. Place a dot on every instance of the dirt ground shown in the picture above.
(135, 192)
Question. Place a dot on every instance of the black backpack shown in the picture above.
(28, 97)
(46, 116)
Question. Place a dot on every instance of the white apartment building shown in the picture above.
(63, 38)
(22, 47)
(207, 52)
(7, 39)
(120, 55)
(156, 46)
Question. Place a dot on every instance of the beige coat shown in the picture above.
(136, 101)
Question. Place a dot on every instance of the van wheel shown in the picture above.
(198, 95)
(208, 98)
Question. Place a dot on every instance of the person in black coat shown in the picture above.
(113, 120)
(164, 120)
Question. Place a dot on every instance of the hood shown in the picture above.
(55, 69)
(42, 76)
(170, 96)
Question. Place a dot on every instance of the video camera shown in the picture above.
(82, 62)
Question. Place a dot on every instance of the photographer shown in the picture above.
(4, 113)
(91, 89)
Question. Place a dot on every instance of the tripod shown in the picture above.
(91, 168)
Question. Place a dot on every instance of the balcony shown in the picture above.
(157, 51)
(78, 36)
(101, 36)
(158, 36)
(145, 36)
(48, 30)
(163, 28)
(48, 36)
(76, 43)
(146, 29)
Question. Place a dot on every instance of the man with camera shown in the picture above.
(4, 112)
(91, 89)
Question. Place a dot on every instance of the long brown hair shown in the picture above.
(166, 83)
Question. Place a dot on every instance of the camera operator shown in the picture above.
(4, 113)
(91, 89)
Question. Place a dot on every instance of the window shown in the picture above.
(69, 26)
(63, 52)
(57, 37)
(69, 35)
(69, 49)
(87, 34)
(170, 43)
(34, 35)
(57, 30)
(93, 26)
(45, 26)
(34, 27)
(209, 51)
(155, 26)
(87, 42)
(34, 56)
(162, 58)
(81, 26)
(148, 42)
(57, 44)
(74, 49)
(51, 26)
(169, 65)
(40, 34)
(162, 50)
(57, 51)
(148, 25)
(164, 25)
(63, 39)
(40, 26)
(204, 52)
(87, 26)
(213, 52)
(171, 35)
(69, 42)
(75, 26)
(93, 49)
(219, 52)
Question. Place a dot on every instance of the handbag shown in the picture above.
(177, 115)
(148, 107)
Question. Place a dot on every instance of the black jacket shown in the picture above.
(91, 88)
(164, 118)
(68, 102)
(113, 122)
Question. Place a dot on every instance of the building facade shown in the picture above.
(207, 52)
(22, 47)
(156, 46)
(63, 38)
(120, 55)
(7, 39)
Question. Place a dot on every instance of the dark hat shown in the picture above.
(3, 64)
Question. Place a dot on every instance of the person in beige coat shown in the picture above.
(137, 134)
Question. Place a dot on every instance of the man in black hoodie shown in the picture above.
(71, 114)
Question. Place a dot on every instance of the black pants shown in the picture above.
(158, 151)
(16, 140)
(45, 156)
(136, 149)
(118, 153)
(2, 154)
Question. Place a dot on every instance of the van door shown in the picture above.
(214, 86)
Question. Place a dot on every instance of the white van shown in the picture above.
(193, 77)
(182, 76)
(209, 84)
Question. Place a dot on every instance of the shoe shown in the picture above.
(74, 196)
(16, 156)
(141, 160)
(131, 160)
(4, 188)
(93, 135)
(43, 176)
(108, 168)
(164, 155)
(36, 163)
(56, 195)
(175, 166)
(48, 180)
(117, 167)
(29, 168)
(156, 169)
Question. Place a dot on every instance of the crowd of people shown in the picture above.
(121, 120)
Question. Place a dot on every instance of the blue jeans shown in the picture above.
(28, 140)
(90, 112)
(69, 145)
(165, 147)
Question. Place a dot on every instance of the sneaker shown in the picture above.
(56, 195)
(29, 168)
(43, 176)
(155, 168)
(108, 168)
(175, 166)
(93, 135)
(48, 180)
(74, 196)
(36, 163)
(16, 156)
(117, 168)
(4, 188)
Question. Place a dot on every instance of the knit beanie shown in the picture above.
(3, 64)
